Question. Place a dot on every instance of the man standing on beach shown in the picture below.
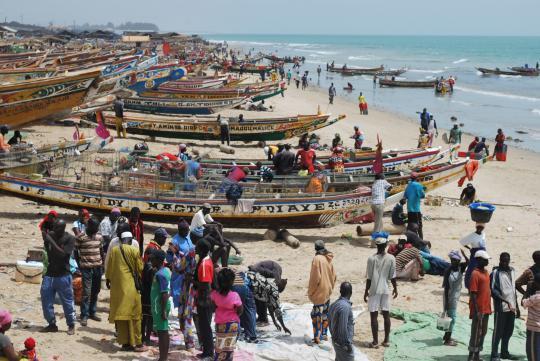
(527, 276)
(358, 137)
(322, 279)
(503, 291)
(378, 195)
(381, 268)
(341, 323)
(414, 193)
(331, 93)
(424, 119)
(319, 71)
(59, 245)
(119, 118)
(307, 158)
(479, 305)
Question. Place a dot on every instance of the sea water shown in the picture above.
(481, 103)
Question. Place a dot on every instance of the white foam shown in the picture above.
(460, 61)
(467, 104)
(510, 76)
(362, 57)
(536, 111)
(496, 94)
(438, 71)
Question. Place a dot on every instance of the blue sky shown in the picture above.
(391, 17)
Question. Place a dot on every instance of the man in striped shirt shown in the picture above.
(341, 322)
(90, 251)
(409, 264)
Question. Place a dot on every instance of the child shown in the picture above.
(227, 318)
(147, 280)
(29, 352)
(160, 302)
(452, 281)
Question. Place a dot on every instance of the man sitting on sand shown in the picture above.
(409, 264)
(399, 218)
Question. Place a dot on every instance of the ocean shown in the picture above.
(481, 103)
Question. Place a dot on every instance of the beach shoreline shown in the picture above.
(514, 227)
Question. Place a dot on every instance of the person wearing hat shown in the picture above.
(322, 279)
(182, 152)
(475, 242)
(161, 307)
(107, 227)
(7, 352)
(125, 308)
(532, 304)
(199, 221)
(123, 227)
(160, 237)
(79, 226)
(381, 268)
(452, 282)
(479, 304)
(414, 193)
(181, 256)
(503, 292)
(59, 246)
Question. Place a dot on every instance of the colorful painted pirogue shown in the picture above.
(174, 92)
(190, 107)
(207, 128)
(407, 83)
(402, 161)
(170, 202)
(26, 158)
(26, 101)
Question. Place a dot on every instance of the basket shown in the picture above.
(481, 212)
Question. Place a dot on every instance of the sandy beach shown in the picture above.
(515, 226)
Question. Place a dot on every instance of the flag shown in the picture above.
(378, 162)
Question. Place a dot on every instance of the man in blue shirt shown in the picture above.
(414, 194)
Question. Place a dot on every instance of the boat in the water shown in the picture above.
(391, 72)
(29, 100)
(407, 83)
(525, 69)
(356, 71)
(497, 71)
(207, 128)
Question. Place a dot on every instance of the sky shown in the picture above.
(354, 17)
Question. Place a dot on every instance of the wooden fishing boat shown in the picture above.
(407, 83)
(22, 74)
(174, 92)
(400, 162)
(194, 83)
(30, 100)
(27, 159)
(431, 176)
(250, 68)
(498, 71)
(166, 201)
(357, 71)
(166, 106)
(391, 72)
(526, 71)
(209, 129)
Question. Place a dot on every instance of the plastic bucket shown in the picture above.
(481, 212)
